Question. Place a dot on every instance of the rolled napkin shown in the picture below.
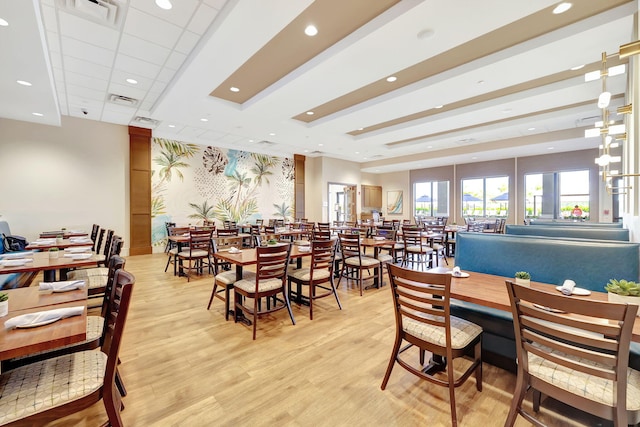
(80, 240)
(456, 271)
(78, 249)
(567, 287)
(16, 255)
(233, 250)
(43, 317)
(68, 285)
(78, 256)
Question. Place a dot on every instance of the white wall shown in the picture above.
(70, 176)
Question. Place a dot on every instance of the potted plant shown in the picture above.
(53, 253)
(4, 304)
(623, 291)
(523, 278)
(59, 239)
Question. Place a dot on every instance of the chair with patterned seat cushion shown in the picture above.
(44, 391)
(198, 255)
(354, 262)
(416, 251)
(576, 351)
(423, 319)
(270, 281)
(223, 282)
(96, 277)
(318, 277)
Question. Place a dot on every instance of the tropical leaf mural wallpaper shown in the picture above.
(192, 183)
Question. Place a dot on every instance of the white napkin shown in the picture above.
(234, 250)
(78, 249)
(567, 287)
(67, 285)
(25, 320)
(456, 272)
(78, 256)
(79, 240)
(44, 241)
(15, 262)
(16, 255)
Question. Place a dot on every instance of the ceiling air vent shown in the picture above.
(106, 12)
(266, 143)
(146, 121)
(122, 100)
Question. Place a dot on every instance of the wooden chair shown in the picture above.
(318, 276)
(395, 250)
(107, 247)
(98, 244)
(270, 281)
(226, 238)
(223, 283)
(439, 243)
(354, 262)
(324, 226)
(72, 382)
(198, 254)
(97, 277)
(579, 355)
(94, 235)
(172, 253)
(260, 222)
(423, 319)
(416, 251)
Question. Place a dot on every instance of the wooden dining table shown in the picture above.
(491, 291)
(64, 233)
(22, 342)
(249, 256)
(49, 243)
(49, 266)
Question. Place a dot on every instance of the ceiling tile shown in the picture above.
(179, 14)
(120, 77)
(150, 28)
(165, 75)
(87, 93)
(175, 61)
(216, 4)
(53, 42)
(127, 90)
(134, 65)
(87, 68)
(86, 81)
(187, 42)
(89, 32)
(87, 52)
(142, 49)
(202, 19)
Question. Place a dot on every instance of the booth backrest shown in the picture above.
(589, 263)
(577, 224)
(4, 229)
(597, 233)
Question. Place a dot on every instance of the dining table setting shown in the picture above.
(43, 318)
(51, 263)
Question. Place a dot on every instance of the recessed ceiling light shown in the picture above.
(272, 134)
(577, 67)
(204, 119)
(364, 158)
(306, 151)
(311, 30)
(562, 8)
(164, 4)
(251, 140)
(392, 79)
(172, 126)
(38, 114)
(530, 129)
(309, 113)
(506, 110)
(550, 148)
(438, 106)
(234, 89)
(23, 82)
(480, 82)
(132, 81)
(429, 146)
(377, 170)
(3, 23)
(474, 158)
(360, 128)
(320, 145)
(425, 34)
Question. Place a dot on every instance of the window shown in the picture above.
(485, 197)
(431, 198)
(557, 195)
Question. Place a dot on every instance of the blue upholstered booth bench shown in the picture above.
(6, 280)
(589, 263)
(577, 224)
(598, 233)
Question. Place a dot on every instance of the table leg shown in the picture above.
(241, 316)
(49, 275)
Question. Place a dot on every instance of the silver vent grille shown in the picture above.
(122, 100)
(106, 12)
(146, 121)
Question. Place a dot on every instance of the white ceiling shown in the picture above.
(178, 57)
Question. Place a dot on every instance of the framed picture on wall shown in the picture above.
(394, 202)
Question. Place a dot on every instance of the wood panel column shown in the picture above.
(299, 185)
(139, 191)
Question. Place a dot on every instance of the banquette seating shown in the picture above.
(598, 233)
(576, 224)
(590, 263)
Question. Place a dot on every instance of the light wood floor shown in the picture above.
(186, 366)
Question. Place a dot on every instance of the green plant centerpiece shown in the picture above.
(4, 296)
(272, 242)
(523, 278)
(624, 291)
(53, 252)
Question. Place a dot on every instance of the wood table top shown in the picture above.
(66, 243)
(21, 342)
(32, 297)
(249, 256)
(41, 262)
(491, 291)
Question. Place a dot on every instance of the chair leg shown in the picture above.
(335, 293)
(312, 292)
(286, 301)
(227, 297)
(392, 362)
(537, 397)
(120, 384)
(255, 316)
(452, 394)
(478, 356)
(213, 293)
(518, 396)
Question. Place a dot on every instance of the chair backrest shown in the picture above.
(107, 244)
(94, 233)
(324, 226)
(406, 222)
(115, 263)
(260, 222)
(98, 244)
(589, 337)
(176, 231)
(230, 224)
(389, 234)
(272, 262)
(200, 240)
(412, 237)
(226, 232)
(322, 235)
(116, 319)
(322, 256)
(116, 248)
(349, 245)
(207, 223)
(422, 297)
